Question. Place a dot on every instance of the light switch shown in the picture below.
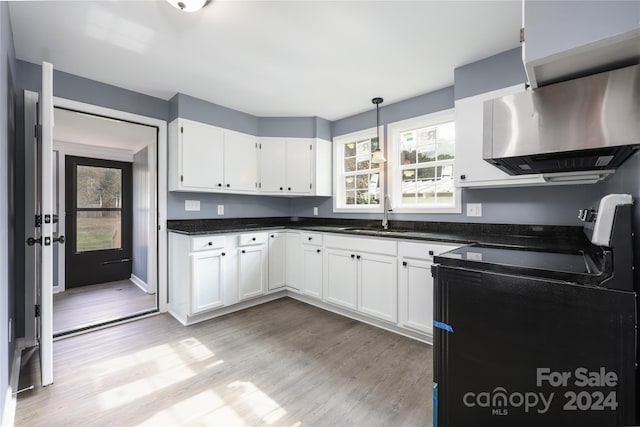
(220, 209)
(192, 205)
(315, 211)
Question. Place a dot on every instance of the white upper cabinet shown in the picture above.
(295, 166)
(240, 162)
(566, 39)
(195, 161)
(211, 159)
(471, 169)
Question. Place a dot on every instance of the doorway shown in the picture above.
(98, 221)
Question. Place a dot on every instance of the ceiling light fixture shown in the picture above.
(188, 5)
(378, 156)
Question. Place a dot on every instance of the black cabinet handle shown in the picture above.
(404, 263)
(219, 185)
(223, 254)
(310, 238)
(289, 188)
(244, 252)
(210, 244)
(272, 236)
(318, 250)
(358, 256)
(254, 239)
(228, 185)
(353, 256)
(281, 188)
(431, 253)
(463, 176)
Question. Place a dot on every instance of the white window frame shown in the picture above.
(394, 168)
(338, 167)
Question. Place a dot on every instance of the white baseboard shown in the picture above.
(140, 283)
(8, 417)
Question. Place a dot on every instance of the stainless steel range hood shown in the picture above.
(587, 124)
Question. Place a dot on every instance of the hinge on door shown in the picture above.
(310, 186)
(260, 146)
(36, 131)
(181, 178)
(522, 35)
(310, 146)
(181, 129)
(38, 220)
(259, 185)
(37, 310)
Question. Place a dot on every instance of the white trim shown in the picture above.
(139, 283)
(338, 159)
(159, 222)
(393, 162)
(82, 150)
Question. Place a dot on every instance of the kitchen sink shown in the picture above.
(374, 230)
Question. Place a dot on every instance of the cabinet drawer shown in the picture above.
(426, 250)
(207, 242)
(252, 239)
(311, 238)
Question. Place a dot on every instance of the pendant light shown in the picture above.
(378, 155)
(188, 5)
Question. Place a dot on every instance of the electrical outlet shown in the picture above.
(315, 211)
(220, 209)
(192, 205)
(474, 209)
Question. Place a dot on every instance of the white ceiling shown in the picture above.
(80, 128)
(268, 58)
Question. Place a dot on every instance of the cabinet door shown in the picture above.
(273, 159)
(377, 282)
(299, 156)
(277, 268)
(252, 271)
(471, 169)
(294, 260)
(312, 271)
(201, 148)
(207, 280)
(416, 295)
(240, 162)
(341, 273)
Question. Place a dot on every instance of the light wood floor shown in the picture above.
(89, 305)
(283, 363)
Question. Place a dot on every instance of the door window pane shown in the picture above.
(98, 230)
(99, 187)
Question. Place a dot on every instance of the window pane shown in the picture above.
(99, 187)
(363, 148)
(407, 148)
(350, 182)
(98, 230)
(426, 173)
(426, 145)
(363, 163)
(351, 197)
(350, 164)
(350, 149)
(362, 197)
(362, 181)
(446, 150)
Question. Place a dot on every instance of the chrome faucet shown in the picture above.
(386, 208)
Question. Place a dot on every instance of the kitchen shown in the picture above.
(501, 201)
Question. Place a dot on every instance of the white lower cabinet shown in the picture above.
(252, 270)
(207, 280)
(377, 286)
(341, 275)
(312, 271)
(415, 284)
(361, 274)
(277, 254)
(293, 260)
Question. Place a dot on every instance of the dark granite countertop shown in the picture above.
(509, 235)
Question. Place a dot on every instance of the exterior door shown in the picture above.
(98, 221)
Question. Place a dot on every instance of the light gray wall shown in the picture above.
(80, 89)
(291, 127)
(215, 115)
(558, 26)
(7, 208)
(235, 206)
(141, 211)
(496, 72)
(323, 128)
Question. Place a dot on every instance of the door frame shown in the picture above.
(157, 260)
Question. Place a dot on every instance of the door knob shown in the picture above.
(59, 240)
(31, 241)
